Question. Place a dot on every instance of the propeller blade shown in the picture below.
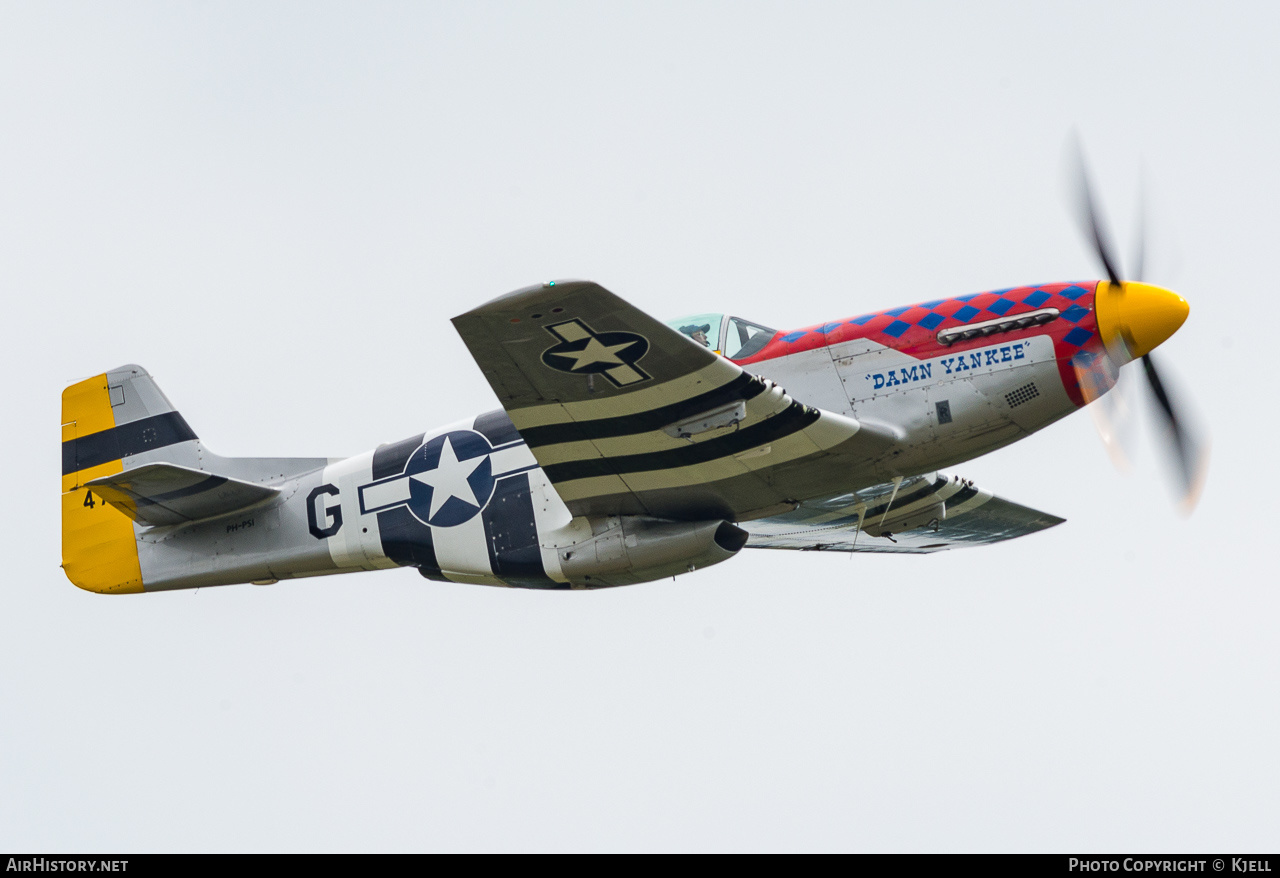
(1138, 266)
(1187, 451)
(1190, 455)
(1091, 218)
(1113, 415)
(1108, 395)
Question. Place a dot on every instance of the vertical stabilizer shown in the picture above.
(106, 419)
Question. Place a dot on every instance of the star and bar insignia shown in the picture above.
(584, 351)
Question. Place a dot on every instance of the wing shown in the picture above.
(925, 514)
(627, 416)
(164, 493)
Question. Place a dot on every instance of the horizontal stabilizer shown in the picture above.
(164, 493)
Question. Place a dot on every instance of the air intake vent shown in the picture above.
(1000, 324)
(1025, 393)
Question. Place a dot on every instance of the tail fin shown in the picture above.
(119, 414)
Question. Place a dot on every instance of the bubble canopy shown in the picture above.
(729, 336)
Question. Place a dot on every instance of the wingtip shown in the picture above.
(529, 297)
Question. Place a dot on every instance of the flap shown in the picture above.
(926, 514)
(628, 416)
(165, 493)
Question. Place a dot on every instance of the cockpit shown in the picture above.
(731, 337)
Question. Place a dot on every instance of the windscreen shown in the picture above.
(743, 339)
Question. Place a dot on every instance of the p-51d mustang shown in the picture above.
(626, 449)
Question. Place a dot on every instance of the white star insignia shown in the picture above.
(449, 478)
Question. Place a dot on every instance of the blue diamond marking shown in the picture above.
(999, 306)
(898, 312)
(1074, 313)
(1038, 298)
(1078, 336)
(1073, 292)
(795, 336)
(829, 327)
(966, 313)
(935, 303)
(930, 320)
(863, 320)
(896, 328)
(968, 298)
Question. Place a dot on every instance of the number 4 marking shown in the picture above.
(88, 499)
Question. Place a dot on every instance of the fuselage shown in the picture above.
(951, 378)
(941, 382)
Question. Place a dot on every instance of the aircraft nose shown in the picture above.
(1140, 315)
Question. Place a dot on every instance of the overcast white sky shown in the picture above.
(277, 207)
